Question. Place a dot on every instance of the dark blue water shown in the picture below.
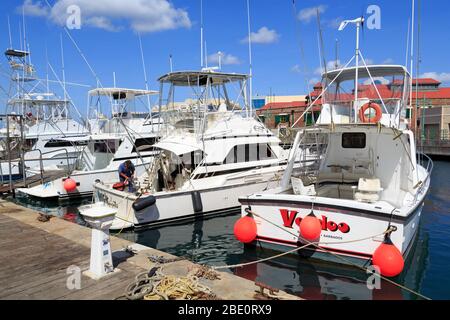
(211, 242)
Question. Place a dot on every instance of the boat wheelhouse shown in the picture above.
(125, 135)
(213, 150)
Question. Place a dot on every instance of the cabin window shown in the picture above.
(354, 140)
(249, 152)
(144, 144)
(107, 146)
(64, 143)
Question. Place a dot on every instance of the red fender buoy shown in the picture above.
(388, 258)
(245, 229)
(310, 227)
(70, 184)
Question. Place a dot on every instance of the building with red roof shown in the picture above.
(433, 103)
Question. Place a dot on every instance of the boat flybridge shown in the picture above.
(35, 120)
(213, 150)
(365, 194)
(126, 135)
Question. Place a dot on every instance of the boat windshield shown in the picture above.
(386, 86)
(193, 101)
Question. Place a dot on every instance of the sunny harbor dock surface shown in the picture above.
(38, 259)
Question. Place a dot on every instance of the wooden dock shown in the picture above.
(32, 181)
(37, 259)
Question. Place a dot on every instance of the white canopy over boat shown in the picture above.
(177, 148)
(119, 92)
(375, 71)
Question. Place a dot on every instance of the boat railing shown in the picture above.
(428, 168)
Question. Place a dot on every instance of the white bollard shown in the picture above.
(100, 218)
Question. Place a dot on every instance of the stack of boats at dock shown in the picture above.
(194, 158)
(350, 189)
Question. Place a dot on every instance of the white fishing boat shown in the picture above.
(363, 200)
(127, 135)
(34, 122)
(213, 150)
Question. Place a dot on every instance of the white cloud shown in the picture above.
(313, 81)
(305, 15)
(37, 9)
(381, 80)
(441, 77)
(334, 23)
(263, 35)
(227, 59)
(140, 15)
(368, 62)
(388, 61)
(296, 68)
(331, 65)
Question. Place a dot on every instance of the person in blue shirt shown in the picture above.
(126, 173)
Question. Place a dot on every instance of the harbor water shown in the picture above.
(211, 242)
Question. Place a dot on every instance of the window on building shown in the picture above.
(408, 113)
(311, 117)
(281, 118)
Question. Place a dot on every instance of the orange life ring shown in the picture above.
(370, 105)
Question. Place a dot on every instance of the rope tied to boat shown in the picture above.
(389, 230)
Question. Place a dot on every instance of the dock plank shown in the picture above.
(35, 256)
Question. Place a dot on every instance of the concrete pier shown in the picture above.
(45, 260)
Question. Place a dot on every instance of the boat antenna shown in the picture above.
(302, 51)
(145, 78)
(250, 58)
(63, 68)
(321, 45)
(114, 79)
(24, 29)
(46, 69)
(170, 63)
(9, 32)
(336, 64)
(358, 22)
(99, 84)
(206, 56)
(413, 13)
(407, 43)
(220, 59)
(201, 33)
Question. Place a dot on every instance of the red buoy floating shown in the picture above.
(70, 185)
(388, 258)
(310, 227)
(245, 229)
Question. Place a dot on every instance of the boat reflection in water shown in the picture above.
(211, 242)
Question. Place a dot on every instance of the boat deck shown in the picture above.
(32, 181)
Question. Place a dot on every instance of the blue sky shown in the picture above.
(109, 28)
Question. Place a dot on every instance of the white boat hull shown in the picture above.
(85, 184)
(349, 234)
(181, 205)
